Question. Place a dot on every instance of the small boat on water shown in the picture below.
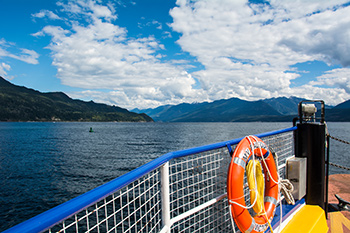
(271, 182)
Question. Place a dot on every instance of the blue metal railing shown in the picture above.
(55, 215)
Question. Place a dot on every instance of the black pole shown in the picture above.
(327, 176)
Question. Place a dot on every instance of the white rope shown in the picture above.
(255, 189)
(284, 185)
(287, 189)
(232, 222)
(267, 168)
(255, 186)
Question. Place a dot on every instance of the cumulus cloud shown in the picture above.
(248, 49)
(99, 55)
(338, 78)
(321, 37)
(89, 9)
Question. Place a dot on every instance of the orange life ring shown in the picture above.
(235, 192)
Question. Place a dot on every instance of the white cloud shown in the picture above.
(21, 54)
(324, 36)
(332, 96)
(101, 11)
(338, 78)
(3, 68)
(90, 9)
(46, 13)
(28, 56)
(100, 55)
(248, 49)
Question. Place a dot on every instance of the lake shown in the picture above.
(45, 164)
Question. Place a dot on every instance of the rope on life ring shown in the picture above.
(252, 148)
(256, 185)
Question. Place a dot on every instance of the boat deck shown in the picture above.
(339, 221)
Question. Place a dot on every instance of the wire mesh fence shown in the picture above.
(194, 181)
(134, 208)
(197, 196)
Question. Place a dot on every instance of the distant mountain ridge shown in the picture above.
(23, 104)
(237, 110)
(344, 105)
(284, 105)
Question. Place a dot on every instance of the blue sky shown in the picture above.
(146, 53)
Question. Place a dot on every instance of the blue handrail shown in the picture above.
(57, 214)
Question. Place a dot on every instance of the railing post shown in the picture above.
(165, 195)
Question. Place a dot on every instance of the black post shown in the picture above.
(310, 143)
(327, 175)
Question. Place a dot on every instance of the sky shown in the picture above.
(147, 53)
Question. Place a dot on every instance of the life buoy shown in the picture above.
(235, 183)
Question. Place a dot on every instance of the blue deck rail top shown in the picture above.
(57, 214)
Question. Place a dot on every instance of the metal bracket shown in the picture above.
(229, 147)
(343, 205)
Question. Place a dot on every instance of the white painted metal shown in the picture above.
(164, 172)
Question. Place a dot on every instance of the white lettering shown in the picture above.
(261, 228)
(260, 144)
(246, 154)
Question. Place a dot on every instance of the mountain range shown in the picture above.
(238, 110)
(23, 104)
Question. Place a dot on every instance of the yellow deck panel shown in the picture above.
(339, 222)
(309, 218)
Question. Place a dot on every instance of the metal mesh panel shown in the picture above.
(215, 218)
(197, 186)
(195, 180)
(283, 146)
(134, 208)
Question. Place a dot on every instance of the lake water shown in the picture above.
(45, 164)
